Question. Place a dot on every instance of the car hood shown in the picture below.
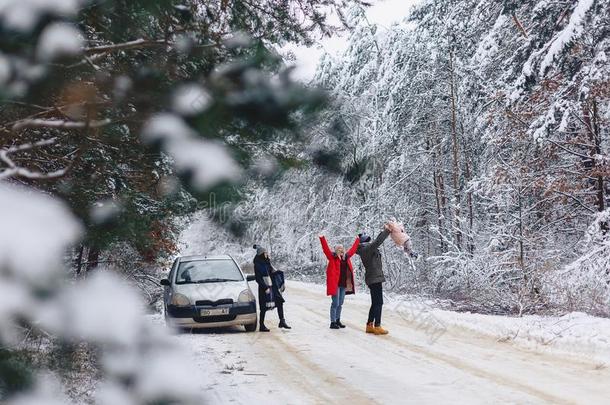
(212, 291)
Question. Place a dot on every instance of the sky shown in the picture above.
(383, 13)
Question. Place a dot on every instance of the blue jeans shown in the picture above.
(336, 304)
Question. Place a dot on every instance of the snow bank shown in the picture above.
(574, 334)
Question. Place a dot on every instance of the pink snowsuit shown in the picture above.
(399, 236)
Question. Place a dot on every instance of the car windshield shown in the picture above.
(208, 271)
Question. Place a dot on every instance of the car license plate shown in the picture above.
(214, 312)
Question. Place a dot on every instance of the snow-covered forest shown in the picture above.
(136, 131)
(483, 126)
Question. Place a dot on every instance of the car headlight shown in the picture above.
(246, 296)
(180, 300)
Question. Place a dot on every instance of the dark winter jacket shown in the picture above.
(371, 259)
(267, 280)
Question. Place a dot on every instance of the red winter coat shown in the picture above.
(333, 270)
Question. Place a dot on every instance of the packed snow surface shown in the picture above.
(431, 356)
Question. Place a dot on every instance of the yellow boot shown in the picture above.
(378, 330)
(370, 328)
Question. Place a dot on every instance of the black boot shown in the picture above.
(339, 324)
(262, 327)
(333, 325)
(283, 324)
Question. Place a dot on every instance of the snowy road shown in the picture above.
(312, 364)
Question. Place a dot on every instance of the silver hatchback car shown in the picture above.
(208, 292)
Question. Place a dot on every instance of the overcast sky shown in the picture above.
(384, 13)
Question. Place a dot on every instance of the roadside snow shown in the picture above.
(572, 334)
(470, 362)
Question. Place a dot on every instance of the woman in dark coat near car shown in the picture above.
(270, 285)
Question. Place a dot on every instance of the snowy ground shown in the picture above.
(430, 356)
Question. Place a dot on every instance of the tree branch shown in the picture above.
(138, 43)
(14, 171)
(59, 124)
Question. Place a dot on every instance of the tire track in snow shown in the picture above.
(460, 333)
(453, 362)
(332, 382)
(303, 385)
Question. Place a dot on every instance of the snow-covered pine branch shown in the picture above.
(59, 124)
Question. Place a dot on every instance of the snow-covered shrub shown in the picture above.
(584, 284)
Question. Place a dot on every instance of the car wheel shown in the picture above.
(250, 327)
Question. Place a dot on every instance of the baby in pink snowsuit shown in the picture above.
(400, 237)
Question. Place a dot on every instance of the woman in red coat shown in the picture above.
(339, 278)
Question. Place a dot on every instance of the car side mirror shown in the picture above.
(251, 277)
(165, 282)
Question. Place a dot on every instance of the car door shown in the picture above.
(170, 277)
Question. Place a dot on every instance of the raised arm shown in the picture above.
(380, 239)
(325, 248)
(354, 247)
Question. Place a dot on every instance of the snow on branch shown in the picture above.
(59, 124)
(138, 43)
(567, 35)
(28, 174)
(13, 170)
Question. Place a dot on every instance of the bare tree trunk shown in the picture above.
(520, 26)
(470, 212)
(591, 118)
(601, 190)
(521, 247)
(93, 257)
(79, 259)
(456, 164)
(439, 191)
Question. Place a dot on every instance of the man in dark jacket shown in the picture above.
(371, 259)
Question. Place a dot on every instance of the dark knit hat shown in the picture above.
(259, 249)
(364, 237)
